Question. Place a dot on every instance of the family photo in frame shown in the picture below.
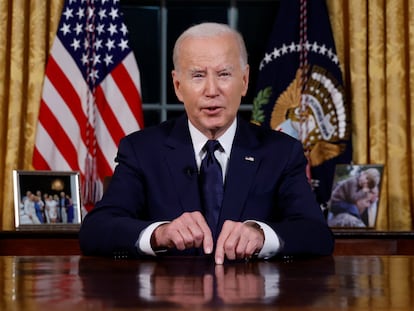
(46, 200)
(355, 196)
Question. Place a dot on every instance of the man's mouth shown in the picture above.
(212, 108)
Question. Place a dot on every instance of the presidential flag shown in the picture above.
(91, 95)
(300, 90)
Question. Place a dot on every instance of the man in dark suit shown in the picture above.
(153, 203)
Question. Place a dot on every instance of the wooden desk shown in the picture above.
(39, 243)
(85, 283)
(348, 242)
(366, 242)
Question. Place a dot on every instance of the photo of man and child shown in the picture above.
(355, 196)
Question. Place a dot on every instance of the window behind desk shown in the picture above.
(155, 25)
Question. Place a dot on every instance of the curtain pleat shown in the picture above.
(28, 30)
(410, 104)
(397, 112)
(376, 149)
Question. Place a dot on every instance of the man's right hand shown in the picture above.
(187, 231)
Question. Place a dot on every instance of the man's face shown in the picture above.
(210, 82)
(363, 203)
(363, 180)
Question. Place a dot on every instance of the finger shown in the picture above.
(219, 254)
(241, 247)
(207, 236)
(166, 235)
(251, 249)
(256, 238)
(224, 234)
(178, 232)
(250, 241)
(208, 243)
(230, 245)
(195, 231)
(178, 240)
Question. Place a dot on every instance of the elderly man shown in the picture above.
(208, 183)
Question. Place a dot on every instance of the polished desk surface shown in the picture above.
(85, 283)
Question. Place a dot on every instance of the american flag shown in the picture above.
(91, 95)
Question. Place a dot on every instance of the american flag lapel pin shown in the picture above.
(248, 158)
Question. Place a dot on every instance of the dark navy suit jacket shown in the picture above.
(156, 179)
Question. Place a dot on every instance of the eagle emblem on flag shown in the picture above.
(300, 90)
(321, 122)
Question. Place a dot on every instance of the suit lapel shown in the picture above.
(243, 164)
(180, 159)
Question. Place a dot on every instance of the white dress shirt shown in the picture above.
(271, 242)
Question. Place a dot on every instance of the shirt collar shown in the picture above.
(199, 139)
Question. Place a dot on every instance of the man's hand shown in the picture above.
(187, 231)
(238, 240)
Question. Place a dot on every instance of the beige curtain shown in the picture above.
(27, 32)
(374, 43)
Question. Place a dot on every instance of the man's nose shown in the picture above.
(211, 86)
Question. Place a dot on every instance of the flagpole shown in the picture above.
(304, 68)
(90, 176)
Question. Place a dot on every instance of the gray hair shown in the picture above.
(210, 30)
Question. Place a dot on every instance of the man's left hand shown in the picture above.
(238, 240)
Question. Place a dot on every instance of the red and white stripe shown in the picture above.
(61, 139)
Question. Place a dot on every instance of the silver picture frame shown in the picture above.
(47, 200)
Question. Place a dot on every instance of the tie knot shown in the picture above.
(211, 146)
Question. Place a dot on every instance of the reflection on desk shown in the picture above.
(185, 281)
(85, 283)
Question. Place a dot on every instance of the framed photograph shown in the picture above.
(355, 196)
(46, 200)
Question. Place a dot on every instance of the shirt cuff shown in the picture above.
(271, 243)
(143, 243)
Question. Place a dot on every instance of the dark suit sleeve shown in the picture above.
(113, 226)
(299, 221)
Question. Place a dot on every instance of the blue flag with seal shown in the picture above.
(300, 90)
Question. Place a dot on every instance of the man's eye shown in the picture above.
(197, 75)
(224, 74)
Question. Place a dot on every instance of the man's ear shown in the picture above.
(176, 83)
(246, 72)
